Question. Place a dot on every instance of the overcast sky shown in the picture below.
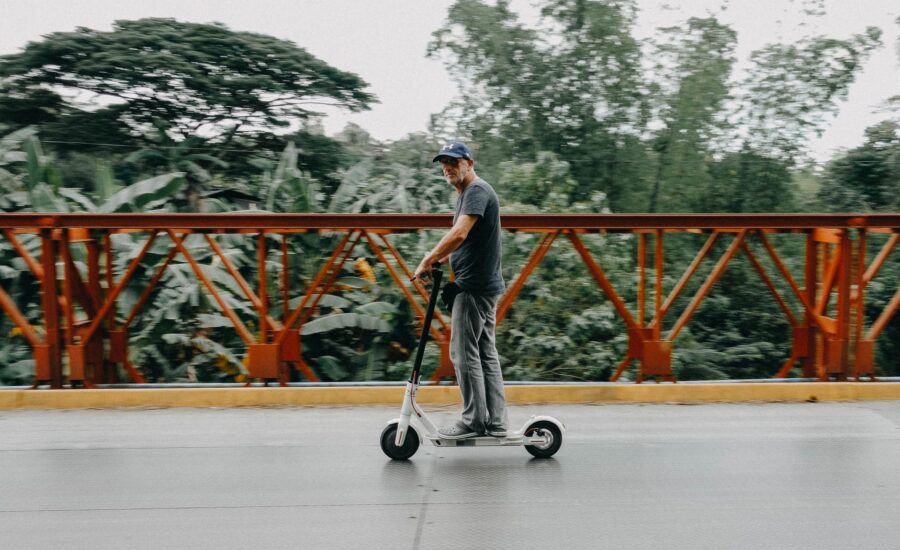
(385, 42)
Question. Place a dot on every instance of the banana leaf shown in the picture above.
(331, 366)
(345, 320)
(378, 309)
(134, 197)
(213, 320)
(35, 161)
(84, 202)
(13, 141)
(43, 199)
(328, 300)
(105, 182)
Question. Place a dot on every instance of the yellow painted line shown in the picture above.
(444, 395)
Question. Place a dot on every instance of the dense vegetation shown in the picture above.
(572, 115)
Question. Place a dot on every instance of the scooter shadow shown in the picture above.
(400, 470)
(543, 465)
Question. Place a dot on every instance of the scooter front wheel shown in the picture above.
(403, 452)
(553, 436)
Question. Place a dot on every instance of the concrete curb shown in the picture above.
(444, 395)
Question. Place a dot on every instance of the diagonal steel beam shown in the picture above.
(656, 323)
(404, 288)
(880, 259)
(32, 264)
(329, 282)
(623, 364)
(315, 283)
(114, 293)
(537, 255)
(707, 285)
(769, 284)
(785, 272)
(601, 279)
(885, 317)
(145, 295)
(438, 316)
(409, 273)
(9, 306)
(331, 269)
(242, 283)
(73, 277)
(242, 330)
(828, 282)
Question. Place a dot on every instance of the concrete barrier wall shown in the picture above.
(443, 395)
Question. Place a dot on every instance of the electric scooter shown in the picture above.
(541, 435)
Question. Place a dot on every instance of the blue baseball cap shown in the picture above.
(455, 150)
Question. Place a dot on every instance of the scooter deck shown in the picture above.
(512, 440)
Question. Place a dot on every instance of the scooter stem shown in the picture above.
(436, 274)
(409, 398)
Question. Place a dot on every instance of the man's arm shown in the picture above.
(452, 240)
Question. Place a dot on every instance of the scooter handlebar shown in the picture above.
(436, 266)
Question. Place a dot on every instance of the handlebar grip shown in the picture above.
(436, 266)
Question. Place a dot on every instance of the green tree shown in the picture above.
(866, 178)
(319, 155)
(792, 88)
(545, 183)
(697, 62)
(169, 155)
(390, 177)
(571, 87)
(200, 78)
(747, 181)
(18, 109)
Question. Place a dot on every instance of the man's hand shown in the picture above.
(423, 272)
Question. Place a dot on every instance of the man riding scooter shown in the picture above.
(473, 247)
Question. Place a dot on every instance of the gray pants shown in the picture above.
(474, 355)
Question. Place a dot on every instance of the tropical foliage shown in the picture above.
(572, 114)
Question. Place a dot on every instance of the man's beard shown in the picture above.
(455, 180)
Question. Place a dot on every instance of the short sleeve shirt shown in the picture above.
(476, 263)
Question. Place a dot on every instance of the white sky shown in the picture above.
(385, 43)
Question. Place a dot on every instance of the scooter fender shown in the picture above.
(536, 418)
(405, 431)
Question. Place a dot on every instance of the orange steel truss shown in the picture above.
(82, 341)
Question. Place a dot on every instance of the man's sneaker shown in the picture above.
(458, 430)
(496, 432)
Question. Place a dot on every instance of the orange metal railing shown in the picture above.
(830, 340)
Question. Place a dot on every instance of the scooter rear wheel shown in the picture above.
(549, 430)
(409, 447)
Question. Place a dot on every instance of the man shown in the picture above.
(473, 247)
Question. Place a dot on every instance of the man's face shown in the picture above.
(455, 170)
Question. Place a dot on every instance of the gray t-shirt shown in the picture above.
(476, 263)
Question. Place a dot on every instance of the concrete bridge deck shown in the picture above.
(718, 476)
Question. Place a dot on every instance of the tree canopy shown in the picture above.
(199, 78)
(643, 122)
